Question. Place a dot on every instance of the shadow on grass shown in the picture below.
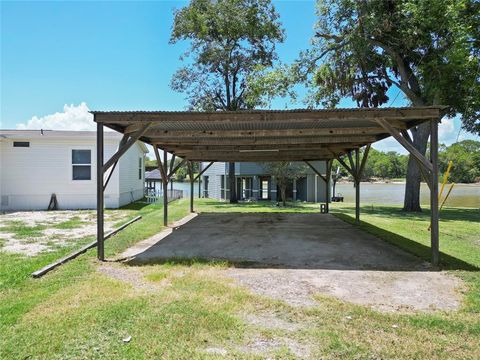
(137, 205)
(447, 262)
(447, 214)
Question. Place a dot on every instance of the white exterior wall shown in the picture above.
(131, 188)
(29, 176)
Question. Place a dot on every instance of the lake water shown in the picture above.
(462, 195)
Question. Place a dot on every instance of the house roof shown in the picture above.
(60, 134)
(265, 135)
(153, 175)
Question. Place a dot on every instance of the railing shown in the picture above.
(154, 196)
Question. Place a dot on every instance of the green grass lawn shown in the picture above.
(185, 309)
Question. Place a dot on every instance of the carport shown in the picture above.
(269, 135)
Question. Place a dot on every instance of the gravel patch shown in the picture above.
(51, 236)
(385, 291)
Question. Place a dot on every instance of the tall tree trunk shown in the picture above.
(233, 183)
(283, 190)
(412, 186)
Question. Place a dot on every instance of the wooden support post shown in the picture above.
(162, 167)
(192, 181)
(327, 185)
(165, 189)
(357, 187)
(199, 181)
(100, 199)
(434, 232)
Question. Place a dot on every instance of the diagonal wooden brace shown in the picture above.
(123, 149)
(407, 145)
(315, 170)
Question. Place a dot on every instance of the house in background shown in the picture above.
(153, 181)
(34, 164)
(253, 182)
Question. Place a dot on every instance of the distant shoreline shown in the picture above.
(398, 182)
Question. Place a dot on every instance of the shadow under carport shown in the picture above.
(279, 240)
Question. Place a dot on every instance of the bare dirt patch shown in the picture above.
(130, 275)
(33, 232)
(386, 291)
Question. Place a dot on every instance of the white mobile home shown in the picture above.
(34, 164)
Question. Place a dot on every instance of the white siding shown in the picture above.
(131, 187)
(29, 176)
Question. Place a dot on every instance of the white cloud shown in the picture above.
(447, 133)
(72, 118)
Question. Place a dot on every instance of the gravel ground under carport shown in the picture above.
(291, 257)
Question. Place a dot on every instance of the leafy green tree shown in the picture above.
(229, 39)
(284, 173)
(466, 161)
(428, 49)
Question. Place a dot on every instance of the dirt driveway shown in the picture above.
(292, 257)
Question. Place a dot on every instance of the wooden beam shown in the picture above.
(203, 170)
(155, 132)
(230, 148)
(160, 166)
(407, 145)
(352, 164)
(122, 150)
(172, 162)
(174, 170)
(401, 114)
(346, 166)
(316, 171)
(423, 172)
(259, 140)
(364, 160)
(192, 181)
(122, 143)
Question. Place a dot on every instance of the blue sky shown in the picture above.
(59, 59)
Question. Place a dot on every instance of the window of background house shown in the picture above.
(81, 164)
(139, 168)
(264, 189)
(21, 144)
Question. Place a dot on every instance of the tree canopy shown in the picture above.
(429, 49)
(228, 39)
(284, 173)
(466, 161)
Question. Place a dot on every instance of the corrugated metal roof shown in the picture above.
(250, 135)
(260, 111)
